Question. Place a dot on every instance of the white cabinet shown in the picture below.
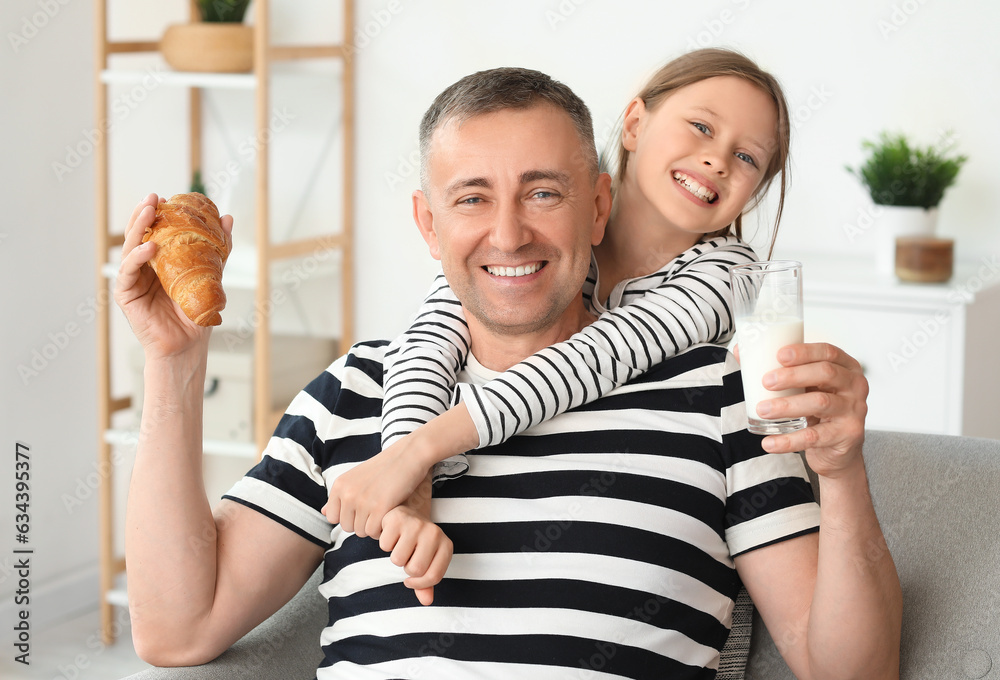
(929, 350)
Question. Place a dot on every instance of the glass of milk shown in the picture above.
(767, 300)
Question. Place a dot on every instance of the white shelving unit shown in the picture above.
(255, 273)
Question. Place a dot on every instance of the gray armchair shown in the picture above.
(937, 500)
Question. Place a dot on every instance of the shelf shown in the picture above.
(845, 277)
(117, 597)
(231, 81)
(210, 446)
(272, 265)
(117, 593)
(240, 272)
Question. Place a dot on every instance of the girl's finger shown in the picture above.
(420, 560)
(402, 553)
(332, 511)
(435, 570)
(360, 522)
(439, 565)
(373, 525)
(425, 595)
(346, 520)
(389, 538)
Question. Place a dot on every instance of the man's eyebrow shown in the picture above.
(525, 178)
(536, 175)
(467, 182)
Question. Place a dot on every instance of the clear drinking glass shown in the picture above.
(767, 300)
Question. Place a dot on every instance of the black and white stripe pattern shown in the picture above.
(422, 365)
(684, 303)
(598, 544)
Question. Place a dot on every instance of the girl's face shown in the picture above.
(699, 156)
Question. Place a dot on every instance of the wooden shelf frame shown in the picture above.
(112, 565)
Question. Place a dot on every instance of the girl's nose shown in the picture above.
(715, 161)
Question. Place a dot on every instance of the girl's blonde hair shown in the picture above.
(710, 63)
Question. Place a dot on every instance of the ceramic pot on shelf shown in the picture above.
(208, 47)
(895, 221)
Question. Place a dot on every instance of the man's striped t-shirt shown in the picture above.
(598, 544)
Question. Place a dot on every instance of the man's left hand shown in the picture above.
(834, 404)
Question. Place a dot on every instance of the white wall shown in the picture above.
(850, 69)
(46, 264)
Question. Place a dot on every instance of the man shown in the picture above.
(600, 543)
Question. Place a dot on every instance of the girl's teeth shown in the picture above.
(698, 190)
(523, 270)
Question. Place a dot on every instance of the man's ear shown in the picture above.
(424, 218)
(634, 114)
(602, 207)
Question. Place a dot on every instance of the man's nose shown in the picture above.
(511, 229)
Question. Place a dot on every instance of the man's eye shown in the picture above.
(746, 158)
(471, 200)
(543, 194)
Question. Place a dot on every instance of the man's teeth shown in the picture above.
(523, 270)
(698, 190)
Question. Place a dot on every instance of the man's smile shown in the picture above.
(520, 270)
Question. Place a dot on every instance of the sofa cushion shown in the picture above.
(285, 647)
(936, 499)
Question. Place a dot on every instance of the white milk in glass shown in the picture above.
(767, 304)
(759, 341)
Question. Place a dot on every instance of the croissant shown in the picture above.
(191, 250)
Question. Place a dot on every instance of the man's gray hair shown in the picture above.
(500, 89)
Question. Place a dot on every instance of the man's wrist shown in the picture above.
(850, 474)
(177, 381)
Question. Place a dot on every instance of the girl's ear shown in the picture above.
(634, 115)
(424, 218)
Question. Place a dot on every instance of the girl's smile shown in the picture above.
(698, 188)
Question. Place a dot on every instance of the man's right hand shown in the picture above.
(157, 321)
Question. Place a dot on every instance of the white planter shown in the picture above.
(894, 221)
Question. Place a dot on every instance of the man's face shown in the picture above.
(512, 213)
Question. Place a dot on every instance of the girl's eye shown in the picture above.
(702, 127)
(746, 158)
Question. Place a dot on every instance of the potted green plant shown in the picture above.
(220, 42)
(906, 182)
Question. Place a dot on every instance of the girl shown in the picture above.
(700, 145)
